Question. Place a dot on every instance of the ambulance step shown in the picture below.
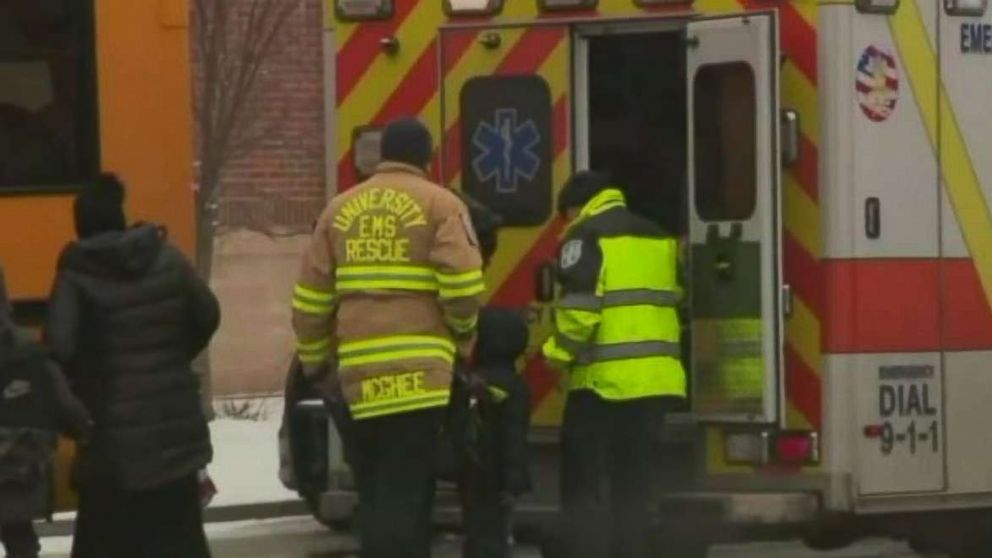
(743, 508)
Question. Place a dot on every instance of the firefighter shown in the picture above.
(617, 336)
(390, 287)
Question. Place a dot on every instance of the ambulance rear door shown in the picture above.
(505, 111)
(735, 287)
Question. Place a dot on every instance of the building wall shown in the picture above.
(279, 187)
(268, 203)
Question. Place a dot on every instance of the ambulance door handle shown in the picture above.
(787, 300)
(491, 40)
(873, 218)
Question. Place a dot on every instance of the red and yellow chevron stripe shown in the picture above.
(374, 87)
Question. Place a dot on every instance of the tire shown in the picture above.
(958, 535)
(307, 437)
(831, 532)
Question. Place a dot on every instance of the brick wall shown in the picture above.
(279, 186)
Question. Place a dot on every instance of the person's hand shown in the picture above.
(316, 371)
(329, 388)
(477, 386)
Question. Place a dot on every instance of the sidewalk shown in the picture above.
(245, 466)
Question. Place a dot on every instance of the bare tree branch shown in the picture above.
(236, 41)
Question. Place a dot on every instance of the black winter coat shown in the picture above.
(490, 440)
(35, 405)
(128, 315)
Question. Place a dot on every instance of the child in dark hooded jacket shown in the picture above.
(495, 470)
(491, 417)
(35, 405)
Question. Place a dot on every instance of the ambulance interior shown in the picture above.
(637, 134)
(637, 122)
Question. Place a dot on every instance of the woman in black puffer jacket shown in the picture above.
(127, 316)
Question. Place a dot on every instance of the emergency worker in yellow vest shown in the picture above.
(617, 337)
(389, 288)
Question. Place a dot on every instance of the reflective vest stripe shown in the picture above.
(385, 284)
(374, 409)
(313, 295)
(313, 346)
(498, 394)
(396, 341)
(585, 302)
(458, 280)
(313, 301)
(463, 292)
(401, 347)
(315, 309)
(641, 297)
(399, 277)
(350, 271)
(571, 346)
(622, 351)
(463, 326)
(390, 356)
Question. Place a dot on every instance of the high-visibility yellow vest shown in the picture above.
(616, 324)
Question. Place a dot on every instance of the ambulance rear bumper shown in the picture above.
(710, 508)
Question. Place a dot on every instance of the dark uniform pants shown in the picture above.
(487, 524)
(394, 461)
(608, 456)
(20, 540)
(164, 522)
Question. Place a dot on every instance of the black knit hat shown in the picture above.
(99, 208)
(486, 223)
(408, 141)
(581, 188)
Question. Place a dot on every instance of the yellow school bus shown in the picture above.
(88, 86)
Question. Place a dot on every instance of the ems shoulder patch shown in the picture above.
(469, 228)
(571, 253)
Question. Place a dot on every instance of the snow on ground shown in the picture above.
(290, 532)
(246, 452)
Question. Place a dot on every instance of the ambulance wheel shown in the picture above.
(831, 532)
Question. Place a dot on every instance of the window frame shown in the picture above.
(356, 134)
(387, 12)
(495, 8)
(585, 5)
(866, 7)
(952, 9)
(705, 216)
(541, 214)
(663, 3)
(86, 113)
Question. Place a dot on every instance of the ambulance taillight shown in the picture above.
(760, 448)
(797, 448)
(975, 8)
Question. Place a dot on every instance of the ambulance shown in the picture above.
(828, 165)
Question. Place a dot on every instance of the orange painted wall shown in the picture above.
(145, 134)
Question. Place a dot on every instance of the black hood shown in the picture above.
(503, 336)
(126, 253)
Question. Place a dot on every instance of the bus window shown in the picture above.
(48, 113)
(725, 139)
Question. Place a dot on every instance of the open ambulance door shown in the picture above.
(734, 209)
(505, 108)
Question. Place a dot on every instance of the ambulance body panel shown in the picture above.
(845, 291)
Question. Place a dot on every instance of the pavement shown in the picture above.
(302, 537)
